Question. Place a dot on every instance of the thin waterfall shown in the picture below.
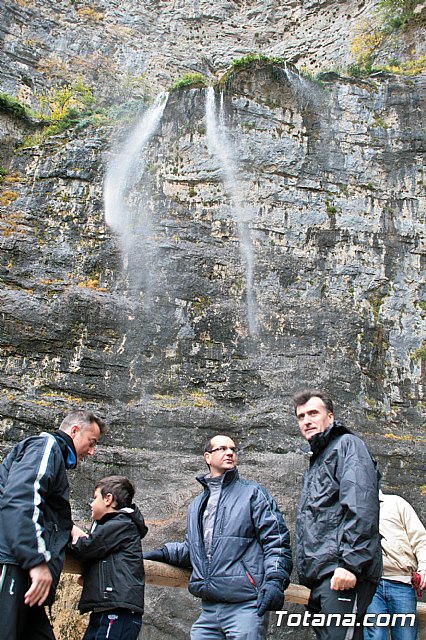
(220, 147)
(306, 92)
(124, 213)
(125, 168)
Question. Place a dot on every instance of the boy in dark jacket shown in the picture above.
(113, 573)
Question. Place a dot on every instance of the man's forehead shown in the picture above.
(311, 404)
(93, 430)
(219, 441)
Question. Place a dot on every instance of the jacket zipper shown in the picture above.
(208, 558)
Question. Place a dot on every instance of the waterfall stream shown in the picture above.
(128, 214)
(220, 146)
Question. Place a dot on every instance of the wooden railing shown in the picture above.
(161, 574)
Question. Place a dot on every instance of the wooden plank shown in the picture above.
(165, 575)
(71, 565)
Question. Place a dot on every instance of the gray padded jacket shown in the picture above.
(250, 543)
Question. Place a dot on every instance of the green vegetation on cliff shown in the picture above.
(190, 81)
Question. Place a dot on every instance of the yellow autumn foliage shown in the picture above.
(367, 40)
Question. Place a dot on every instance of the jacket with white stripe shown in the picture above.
(35, 514)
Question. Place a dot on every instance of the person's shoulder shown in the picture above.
(37, 442)
(243, 485)
(195, 502)
(349, 439)
(244, 482)
(116, 519)
(113, 524)
(255, 487)
(394, 500)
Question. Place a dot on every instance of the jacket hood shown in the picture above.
(319, 441)
(131, 512)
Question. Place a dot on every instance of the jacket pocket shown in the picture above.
(222, 521)
(51, 537)
(104, 581)
(249, 575)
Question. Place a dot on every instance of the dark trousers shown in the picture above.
(18, 621)
(114, 624)
(349, 605)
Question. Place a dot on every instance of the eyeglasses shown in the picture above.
(224, 449)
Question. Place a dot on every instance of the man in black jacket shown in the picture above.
(238, 547)
(337, 529)
(35, 521)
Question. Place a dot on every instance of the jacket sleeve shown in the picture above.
(29, 480)
(273, 536)
(105, 539)
(359, 499)
(416, 533)
(179, 553)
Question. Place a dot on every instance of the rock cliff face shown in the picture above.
(289, 254)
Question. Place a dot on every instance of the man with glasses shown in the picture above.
(238, 547)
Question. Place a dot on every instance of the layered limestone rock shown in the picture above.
(286, 251)
(123, 47)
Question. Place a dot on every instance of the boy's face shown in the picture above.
(101, 504)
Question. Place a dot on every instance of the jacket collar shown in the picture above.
(66, 445)
(228, 477)
(319, 441)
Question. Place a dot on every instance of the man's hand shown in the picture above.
(77, 533)
(342, 579)
(158, 555)
(41, 579)
(270, 598)
(422, 578)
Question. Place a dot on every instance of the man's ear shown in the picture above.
(206, 454)
(74, 431)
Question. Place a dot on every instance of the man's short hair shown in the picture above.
(83, 419)
(119, 487)
(303, 396)
(208, 446)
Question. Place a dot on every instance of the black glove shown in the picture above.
(270, 598)
(160, 555)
